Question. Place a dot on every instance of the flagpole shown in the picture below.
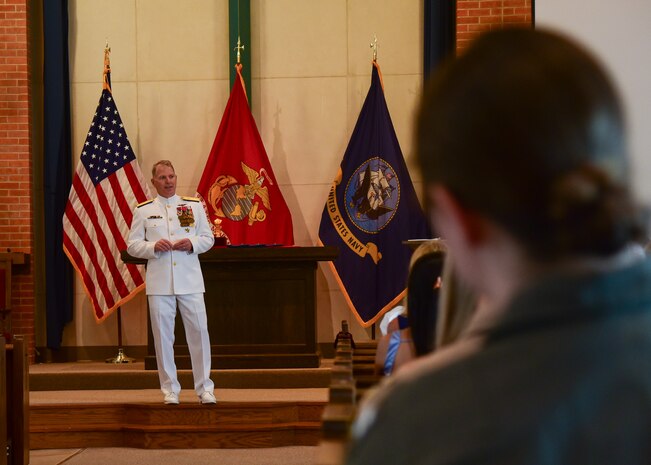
(373, 46)
(239, 29)
(120, 357)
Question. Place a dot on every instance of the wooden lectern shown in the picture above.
(261, 305)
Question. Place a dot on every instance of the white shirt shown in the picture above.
(174, 218)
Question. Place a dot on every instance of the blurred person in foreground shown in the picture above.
(523, 154)
(457, 305)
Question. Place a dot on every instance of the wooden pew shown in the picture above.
(352, 375)
(352, 369)
(15, 379)
(364, 367)
(339, 413)
(342, 384)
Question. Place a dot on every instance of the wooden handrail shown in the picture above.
(3, 401)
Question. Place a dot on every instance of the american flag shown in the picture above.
(106, 187)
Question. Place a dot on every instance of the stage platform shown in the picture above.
(93, 404)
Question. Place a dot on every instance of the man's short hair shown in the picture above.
(161, 162)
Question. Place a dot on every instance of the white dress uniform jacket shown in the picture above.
(174, 218)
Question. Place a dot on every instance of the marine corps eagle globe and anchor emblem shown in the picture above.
(237, 202)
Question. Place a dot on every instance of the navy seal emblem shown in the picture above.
(372, 195)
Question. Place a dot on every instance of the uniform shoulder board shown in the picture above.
(190, 199)
(146, 202)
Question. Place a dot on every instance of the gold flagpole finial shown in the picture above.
(374, 47)
(107, 67)
(239, 49)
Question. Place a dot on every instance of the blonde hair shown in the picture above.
(159, 163)
(431, 247)
(457, 305)
(427, 248)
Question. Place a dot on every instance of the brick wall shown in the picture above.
(475, 17)
(16, 230)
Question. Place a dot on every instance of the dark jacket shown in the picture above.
(563, 376)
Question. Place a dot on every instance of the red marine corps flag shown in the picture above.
(238, 187)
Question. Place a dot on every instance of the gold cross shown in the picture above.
(107, 66)
(374, 47)
(239, 48)
(107, 52)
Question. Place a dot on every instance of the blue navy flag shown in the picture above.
(371, 208)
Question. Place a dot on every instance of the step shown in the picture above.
(366, 381)
(361, 370)
(364, 352)
(94, 375)
(153, 425)
(366, 345)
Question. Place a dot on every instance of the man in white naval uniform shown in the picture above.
(170, 231)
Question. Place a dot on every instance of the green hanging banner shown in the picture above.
(239, 39)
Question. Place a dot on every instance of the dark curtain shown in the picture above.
(439, 32)
(57, 167)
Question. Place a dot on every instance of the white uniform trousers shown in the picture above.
(162, 311)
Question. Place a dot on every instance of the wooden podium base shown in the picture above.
(261, 306)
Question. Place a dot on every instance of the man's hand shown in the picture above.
(184, 245)
(163, 245)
